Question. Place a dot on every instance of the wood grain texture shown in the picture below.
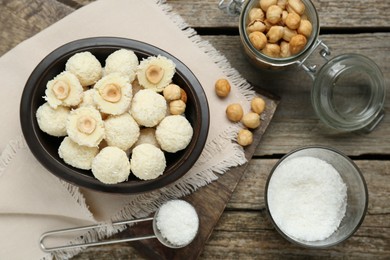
(332, 14)
(20, 20)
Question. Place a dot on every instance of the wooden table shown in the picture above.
(244, 230)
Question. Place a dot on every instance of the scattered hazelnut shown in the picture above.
(154, 74)
(177, 107)
(265, 4)
(244, 137)
(256, 25)
(258, 105)
(293, 20)
(305, 28)
(222, 88)
(61, 90)
(258, 40)
(251, 120)
(297, 43)
(111, 93)
(256, 14)
(274, 14)
(275, 33)
(272, 50)
(234, 112)
(86, 124)
(172, 92)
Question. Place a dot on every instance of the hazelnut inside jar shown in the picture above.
(287, 29)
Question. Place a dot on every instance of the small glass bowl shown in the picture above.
(357, 194)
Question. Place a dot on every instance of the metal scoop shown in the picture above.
(157, 234)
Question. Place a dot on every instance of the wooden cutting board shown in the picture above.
(209, 201)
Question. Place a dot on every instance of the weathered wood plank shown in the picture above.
(295, 123)
(19, 20)
(332, 14)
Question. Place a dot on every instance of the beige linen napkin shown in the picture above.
(32, 200)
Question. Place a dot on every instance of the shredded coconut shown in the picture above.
(307, 198)
(52, 121)
(86, 67)
(178, 222)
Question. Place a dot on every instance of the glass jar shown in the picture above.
(348, 91)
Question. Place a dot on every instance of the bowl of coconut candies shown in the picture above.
(114, 115)
(316, 197)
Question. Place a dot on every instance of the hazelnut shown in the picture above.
(86, 124)
(177, 107)
(293, 20)
(288, 34)
(267, 24)
(251, 120)
(297, 43)
(256, 14)
(296, 6)
(284, 16)
(274, 14)
(275, 33)
(256, 25)
(244, 137)
(111, 93)
(154, 74)
(258, 105)
(234, 112)
(271, 49)
(172, 92)
(282, 4)
(222, 88)
(258, 40)
(305, 28)
(61, 90)
(183, 95)
(285, 49)
(265, 4)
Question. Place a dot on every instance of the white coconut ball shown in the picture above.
(64, 90)
(174, 133)
(147, 136)
(52, 121)
(121, 131)
(111, 165)
(87, 100)
(123, 61)
(147, 162)
(148, 108)
(86, 67)
(77, 155)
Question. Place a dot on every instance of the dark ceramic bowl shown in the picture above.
(45, 147)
